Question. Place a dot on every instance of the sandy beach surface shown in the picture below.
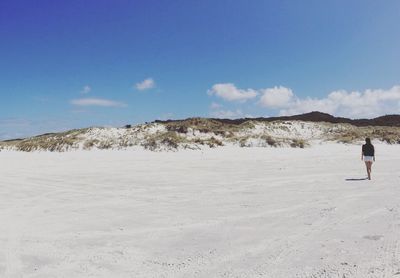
(226, 212)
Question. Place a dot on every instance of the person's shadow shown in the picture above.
(355, 179)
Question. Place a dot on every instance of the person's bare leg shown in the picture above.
(366, 166)
(370, 168)
(369, 163)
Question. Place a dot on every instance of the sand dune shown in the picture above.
(197, 133)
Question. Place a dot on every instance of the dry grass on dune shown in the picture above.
(352, 134)
(52, 142)
(197, 132)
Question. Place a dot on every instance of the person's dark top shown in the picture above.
(368, 150)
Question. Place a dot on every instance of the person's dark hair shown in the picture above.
(368, 141)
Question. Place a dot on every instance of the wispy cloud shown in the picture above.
(227, 114)
(215, 105)
(167, 116)
(12, 128)
(97, 102)
(229, 92)
(146, 84)
(13, 121)
(86, 89)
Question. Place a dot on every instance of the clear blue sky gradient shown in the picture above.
(49, 50)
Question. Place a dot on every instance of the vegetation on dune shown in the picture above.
(169, 139)
(298, 143)
(270, 141)
(196, 133)
(204, 125)
(352, 134)
(58, 142)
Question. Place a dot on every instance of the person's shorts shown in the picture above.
(368, 158)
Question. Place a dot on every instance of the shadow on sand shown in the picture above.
(359, 179)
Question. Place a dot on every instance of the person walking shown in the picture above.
(368, 155)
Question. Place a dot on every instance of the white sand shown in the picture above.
(228, 212)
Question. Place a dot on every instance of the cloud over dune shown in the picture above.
(227, 114)
(229, 92)
(353, 104)
(276, 97)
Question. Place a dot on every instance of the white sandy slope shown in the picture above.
(253, 135)
(227, 212)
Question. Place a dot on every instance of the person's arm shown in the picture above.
(361, 155)
(374, 152)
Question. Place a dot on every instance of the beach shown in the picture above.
(225, 212)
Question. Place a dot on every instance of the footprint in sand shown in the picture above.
(373, 237)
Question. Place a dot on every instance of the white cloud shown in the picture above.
(86, 89)
(227, 114)
(229, 92)
(145, 84)
(276, 97)
(97, 102)
(215, 105)
(355, 104)
(367, 104)
(167, 116)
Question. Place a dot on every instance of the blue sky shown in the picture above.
(71, 64)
